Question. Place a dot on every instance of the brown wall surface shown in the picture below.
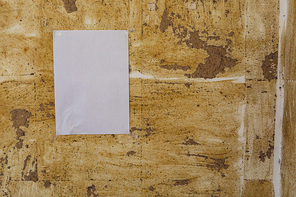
(194, 131)
(288, 168)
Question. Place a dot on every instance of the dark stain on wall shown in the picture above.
(91, 191)
(190, 142)
(217, 60)
(47, 184)
(19, 118)
(33, 174)
(174, 67)
(269, 66)
(180, 32)
(166, 21)
(41, 107)
(188, 84)
(148, 131)
(3, 162)
(195, 41)
(151, 188)
(181, 182)
(70, 5)
(267, 154)
(130, 153)
(218, 164)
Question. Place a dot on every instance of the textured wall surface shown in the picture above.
(202, 100)
(289, 120)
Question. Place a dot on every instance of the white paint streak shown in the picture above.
(241, 79)
(279, 104)
(242, 139)
(233, 79)
(137, 74)
(16, 78)
(242, 127)
(19, 30)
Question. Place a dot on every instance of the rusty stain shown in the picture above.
(41, 107)
(91, 191)
(151, 188)
(51, 104)
(231, 34)
(19, 118)
(197, 155)
(47, 184)
(48, 115)
(213, 38)
(269, 66)
(267, 154)
(161, 61)
(129, 153)
(4, 160)
(166, 21)
(174, 67)
(33, 174)
(218, 164)
(188, 84)
(180, 32)
(148, 130)
(26, 49)
(262, 156)
(181, 182)
(190, 142)
(195, 41)
(214, 164)
(26, 162)
(215, 63)
(269, 151)
(70, 5)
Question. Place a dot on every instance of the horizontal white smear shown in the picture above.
(240, 79)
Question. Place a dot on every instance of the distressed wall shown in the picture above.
(288, 168)
(202, 100)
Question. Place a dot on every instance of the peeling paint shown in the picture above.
(196, 83)
(269, 66)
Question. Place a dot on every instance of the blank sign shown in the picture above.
(91, 76)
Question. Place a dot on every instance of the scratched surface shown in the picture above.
(202, 100)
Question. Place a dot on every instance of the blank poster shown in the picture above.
(91, 75)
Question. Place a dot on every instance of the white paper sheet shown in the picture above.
(91, 76)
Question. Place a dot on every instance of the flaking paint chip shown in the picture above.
(91, 76)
